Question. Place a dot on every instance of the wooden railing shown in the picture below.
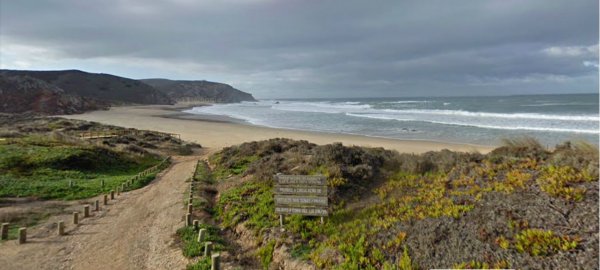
(158, 167)
(88, 135)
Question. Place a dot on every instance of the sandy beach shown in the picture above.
(216, 132)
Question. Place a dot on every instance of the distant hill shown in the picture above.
(199, 91)
(22, 94)
(97, 86)
(75, 91)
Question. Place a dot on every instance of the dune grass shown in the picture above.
(50, 169)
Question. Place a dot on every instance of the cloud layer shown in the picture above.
(316, 48)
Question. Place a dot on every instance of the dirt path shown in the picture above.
(135, 231)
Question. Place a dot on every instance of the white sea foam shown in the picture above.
(406, 101)
(498, 115)
(558, 104)
(434, 118)
(478, 125)
(356, 107)
(321, 107)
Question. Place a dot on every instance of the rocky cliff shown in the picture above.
(193, 91)
(75, 91)
(23, 94)
(98, 86)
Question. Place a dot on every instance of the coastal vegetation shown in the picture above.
(187, 236)
(50, 169)
(50, 161)
(521, 205)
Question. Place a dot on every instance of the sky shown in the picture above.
(309, 48)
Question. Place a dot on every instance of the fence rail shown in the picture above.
(89, 135)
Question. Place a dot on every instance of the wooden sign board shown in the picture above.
(295, 200)
(301, 194)
(301, 190)
(317, 180)
(305, 211)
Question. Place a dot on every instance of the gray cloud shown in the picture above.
(316, 48)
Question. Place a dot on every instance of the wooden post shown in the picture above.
(112, 194)
(86, 211)
(61, 228)
(207, 249)
(75, 218)
(322, 220)
(105, 199)
(190, 208)
(196, 224)
(97, 205)
(188, 219)
(22, 235)
(4, 231)
(102, 183)
(216, 262)
(201, 235)
(281, 220)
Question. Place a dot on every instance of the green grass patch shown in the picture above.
(232, 167)
(563, 182)
(252, 202)
(189, 239)
(300, 251)
(539, 242)
(203, 173)
(265, 253)
(45, 169)
(201, 264)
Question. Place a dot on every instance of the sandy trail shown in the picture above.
(135, 231)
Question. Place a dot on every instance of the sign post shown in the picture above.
(300, 194)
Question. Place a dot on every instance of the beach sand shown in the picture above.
(216, 132)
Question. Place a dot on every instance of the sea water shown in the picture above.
(486, 120)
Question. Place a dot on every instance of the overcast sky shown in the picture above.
(311, 48)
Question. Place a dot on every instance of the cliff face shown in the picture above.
(185, 91)
(74, 91)
(21, 94)
(101, 87)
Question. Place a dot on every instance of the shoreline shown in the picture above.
(227, 119)
(218, 131)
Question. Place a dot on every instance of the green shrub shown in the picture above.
(265, 253)
(539, 242)
(405, 262)
(561, 182)
(251, 202)
(203, 173)
(189, 240)
(201, 264)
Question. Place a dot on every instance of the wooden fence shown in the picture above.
(103, 134)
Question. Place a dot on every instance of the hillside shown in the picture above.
(97, 86)
(520, 206)
(22, 94)
(203, 91)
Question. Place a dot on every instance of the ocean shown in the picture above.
(552, 119)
